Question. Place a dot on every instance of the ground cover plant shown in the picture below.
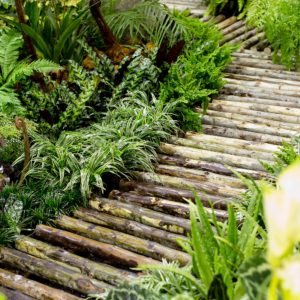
(102, 110)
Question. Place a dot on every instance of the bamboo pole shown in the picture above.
(210, 167)
(253, 40)
(123, 240)
(237, 89)
(236, 124)
(81, 265)
(228, 159)
(272, 116)
(141, 215)
(116, 255)
(131, 227)
(218, 19)
(31, 288)
(14, 295)
(233, 27)
(252, 71)
(293, 89)
(179, 182)
(254, 119)
(172, 193)
(262, 45)
(222, 148)
(260, 107)
(159, 204)
(200, 138)
(52, 272)
(232, 35)
(226, 22)
(251, 62)
(252, 54)
(264, 79)
(199, 175)
(245, 135)
(244, 36)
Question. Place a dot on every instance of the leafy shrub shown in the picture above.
(197, 74)
(228, 7)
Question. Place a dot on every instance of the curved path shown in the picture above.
(95, 249)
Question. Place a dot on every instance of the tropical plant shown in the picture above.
(197, 74)
(228, 7)
(13, 71)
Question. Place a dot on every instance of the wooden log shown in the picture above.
(244, 36)
(257, 63)
(178, 182)
(31, 288)
(123, 240)
(233, 89)
(226, 22)
(262, 45)
(236, 124)
(253, 40)
(272, 116)
(263, 79)
(265, 73)
(210, 167)
(252, 54)
(260, 107)
(172, 193)
(228, 159)
(199, 175)
(218, 19)
(81, 265)
(131, 227)
(291, 89)
(14, 295)
(199, 138)
(253, 119)
(141, 214)
(232, 35)
(222, 148)
(245, 135)
(233, 27)
(163, 205)
(52, 272)
(113, 254)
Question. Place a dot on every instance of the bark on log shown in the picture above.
(142, 215)
(253, 119)
(233, 27)
(178, 182)
(243, 37)
(232, 35)
(107, 252)
(131, 227)
(199, 175)
(123, 240)
(218, 19)
(262, 45)
(260, 107)
(245, 135)
(271, 116)
(14, 295)
(252, 54)
(264, 80)
(52, 272)
(210, 167)
(162, 205)
(199, 138)
(257, 63)
(241, 125)
(222, 148)
(81, 265)
(172, 193)
(31, 288)
(291, 89)
(253, 40)
(226, 22)
(228, 159)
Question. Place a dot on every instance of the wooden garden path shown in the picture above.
(258, 108)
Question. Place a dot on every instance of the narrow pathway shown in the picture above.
(258, 108)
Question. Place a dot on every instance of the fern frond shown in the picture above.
(10, 43)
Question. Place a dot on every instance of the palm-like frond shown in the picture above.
(10, 43)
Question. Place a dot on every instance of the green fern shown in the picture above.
(13, 71)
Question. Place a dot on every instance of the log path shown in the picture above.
(98, 246)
